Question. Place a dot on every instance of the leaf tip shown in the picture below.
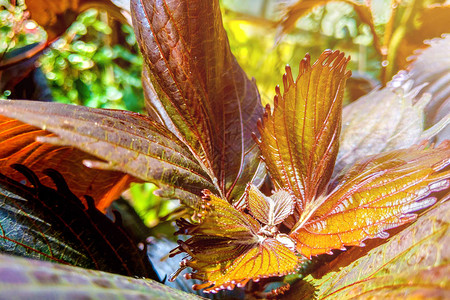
(289, 77)
(267, 108)
(277, 90)
(254, 136)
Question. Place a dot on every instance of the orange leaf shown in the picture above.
(376, 194)
(413, 263)
(299, 140)
(228, 248)
(18, 145)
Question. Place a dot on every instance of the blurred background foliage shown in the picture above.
(96, 62)
(16, 30)
(263, 51)
(88, 67)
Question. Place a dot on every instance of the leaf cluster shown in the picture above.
(269, 189)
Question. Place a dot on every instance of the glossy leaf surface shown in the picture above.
(204, 97)
(18, 145)
(128, 142)
(431, 21)
(25, 279)
(228, 249)
(413, 264)
(299, 140)
(383, 120)
(376, 194)
(432, 66)
(52, 224)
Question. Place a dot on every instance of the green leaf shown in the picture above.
(48, 224)
(203, 95)
(128, 142)
(24, 279)
(413, 264)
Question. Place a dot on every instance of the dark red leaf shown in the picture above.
(52, 224)
(124, 141)
(204, 97)
(18, 145)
